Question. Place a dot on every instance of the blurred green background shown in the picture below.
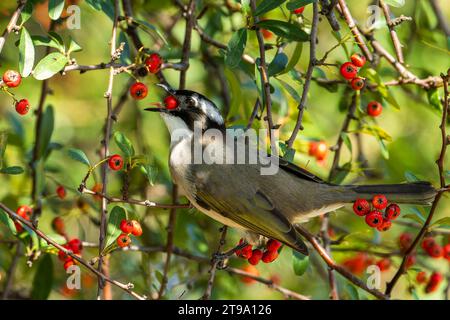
(80, 110)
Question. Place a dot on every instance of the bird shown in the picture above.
(238, 195)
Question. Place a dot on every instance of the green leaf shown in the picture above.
(292, 92)
(352, 291)
(411, 177)
(375, 131)
(50, 65)
(26, 53)
(395, 3)
(295, 4)
(124, 144)
(383, 149)
(78, 155)
(295, 57)
(347, 141)
(151, 29)
(27, 11)
(5, 219)
(150, 172)
(12, 170)
(444, 222)
(289, 31)
(116, 215)
(46, 130)
(300, 262)
(278, 64)
(267, 5)
(43, 279)
(3, 143)
(434, 99)
(74, 47)
(47, 42)
(55, 8)
(235, 48)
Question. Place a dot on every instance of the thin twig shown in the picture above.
(12, 271)
(394, 36)
(106, 137)
(12, 23)
(308, 76)
(442, 20)
(440, 163)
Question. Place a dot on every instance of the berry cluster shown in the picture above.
(76, 247)
(432, 283)
(25, 212)
(153, 63)
(253, 256)
(12, 79)
(318, 149)
(373, 215)
(349, 70)
(128, 227)
(435, 250)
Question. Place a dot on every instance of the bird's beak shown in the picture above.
(166, 88)
(156, 109)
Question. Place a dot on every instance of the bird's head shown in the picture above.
(185, 109)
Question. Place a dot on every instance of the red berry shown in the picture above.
(374, 108)
(446, 253)
(392, 212)
(384, 264)
(405, 241)
(361, 207)
(58, 226)
(427, 243)
(68, 263)
(435, 251)
(266, 34)
(61, 192)
(137, 229)
(434, 282)
(12, 78)
(62, 255)
(299, 10)
(238, 252)
(153, 63)
(19, 227)
(22, 107)
(358, 59)
(421, 277)
(379, 201)
(374, 219)
(25, 212)
(138, 90)
(256, 256)
(385, 226)
(126, 226)
(357, 83)
(273, 245)
(246, 252)
(123, 240)
(410, 261)
(75, 245)
(269, 256)
(171, 102)
(321, 151)
(115, 162)
(357, 264)
(349, 70)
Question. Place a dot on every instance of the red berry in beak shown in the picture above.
(171, 102)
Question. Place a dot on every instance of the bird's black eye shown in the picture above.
(191, 102)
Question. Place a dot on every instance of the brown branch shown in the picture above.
(50, 241)
(267, 99)
(394, 36)
(106, 137)
(214, 264)
(354, 29)
(327, 10)
(442, 20)
(440, 163)
(12, 271)
(331, 264)
(334, 294)
(190, 22)
(12, 25)
(309, 72)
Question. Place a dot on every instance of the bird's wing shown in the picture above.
(247, 206)
(299, 172)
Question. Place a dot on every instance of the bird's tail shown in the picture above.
(421, 192)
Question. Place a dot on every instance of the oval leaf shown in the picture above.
(124, 144)
(295, 4)
(55, 9)
(50, 65)
(43, 279)
(26, 53)
(284, 29)
(79, 156)
(300, 263)
(116, 215)
(12, 170)
(268, 5)
(236, 48)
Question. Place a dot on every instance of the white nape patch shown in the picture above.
(178, 129)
